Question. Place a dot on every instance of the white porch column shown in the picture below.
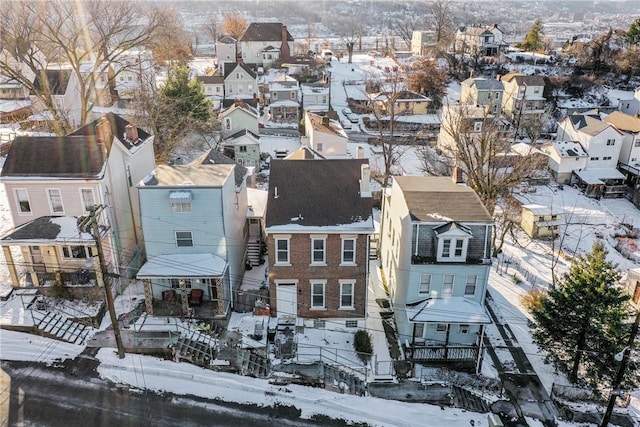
(8, 256)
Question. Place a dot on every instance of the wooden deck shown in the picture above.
(207, 310)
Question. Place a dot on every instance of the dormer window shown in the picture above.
(453, 241)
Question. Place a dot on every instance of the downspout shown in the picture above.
(415, 251)
(446, 342)
(480, 352)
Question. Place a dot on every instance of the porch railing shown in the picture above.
(439, 353)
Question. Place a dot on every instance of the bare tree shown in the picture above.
(171, 42)
(441, 18)
(405, 27)
(211, 28)
(477, 141)
(426, 78)
(234, 25)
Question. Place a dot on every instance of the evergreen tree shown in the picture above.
(534, 40)
(180, 107)
(583, 322)
(632, 36)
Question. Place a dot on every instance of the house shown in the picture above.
(523, 98)
(629, 158)
(264, 43)
(482, 92)
(50, 182)
(465, 123)
(540, 222)
(213, 89)
(316, 96)
(435, 253)
(318, 223)
(633, 286)
(283, 95)
(14, 100)
(240, 82)
(244, 147)
(478, 41)
(194, 222)
(238, 117)
(401, 103)
(564, 158)
(226, 51)
(325, 136)
(631, 106)
(65, 91)
(422, 42)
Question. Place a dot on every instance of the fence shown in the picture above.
(330, 356)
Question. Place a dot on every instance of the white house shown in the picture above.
(324, 135)
(226, 51)
(601, 140)
(564, 158)
(315, 96)
(265, 42)
(213, 89)
(629, 159)
(284, 92)
(631, 106)
(240, 82)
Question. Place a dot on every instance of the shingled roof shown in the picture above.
(118, 127)
(433, 199)
(317, 193)
(588, 123)
(264, 32)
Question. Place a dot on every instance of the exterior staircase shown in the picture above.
(194, 346)
(463, 398)
(61, 327)
(253, 251)
(252, 363)
(374, 243)
(345, 382)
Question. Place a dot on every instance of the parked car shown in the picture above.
(353, 118)
(346, 124)
(346, 111)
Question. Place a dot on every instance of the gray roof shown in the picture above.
(316, 193)
(264, 32)
(440, 199)
(484, 84)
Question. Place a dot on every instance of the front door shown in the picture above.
(36, 259)
(287, 300)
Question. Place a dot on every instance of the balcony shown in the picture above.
(421, 260)
(441, 353)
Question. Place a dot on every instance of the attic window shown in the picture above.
(180, 201)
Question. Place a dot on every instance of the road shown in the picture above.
(37, 395)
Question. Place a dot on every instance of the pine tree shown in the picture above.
(632, 36)
(534, 40)
(583, 321)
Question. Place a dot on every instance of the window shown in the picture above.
(184, 239)
(242, 148)
(319, 324)
(230, 88)
(317, 295)
(175, 283)
(282, 251)
(227, 123)
(418, 330)
(274, 96)
(217, 89)
(318, 250)
(536, 90)
(348, 251)
(447, 284)
(463, 329)
(238, 76)
(319, 147)
(180, 201)
(55, 201)
(293, 95)
(441, 328)
(459, 248)
(606, 158)
(477, 126)
(637, 143)
(88, 201)
(425, 284)
(77, 252)
(346, 295)
(611, 142)
(446, 248)
(594, 158)
(22, 198)
(351, 323)
(489, 95)
(470, 287)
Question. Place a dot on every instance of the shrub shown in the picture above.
(362, 345)
(532, 300)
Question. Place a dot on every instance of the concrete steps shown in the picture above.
(463, 398)
(253, 253)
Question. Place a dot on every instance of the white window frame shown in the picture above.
(452, 246)
(68, 250)
(322, 251)
(422, 328)
(286, 251)
(352, 294)
(447, 287)
(343, 250)
(19, 200)
(54, 212)
(441, 328)
(274, 96)
(463, 329)
(85, 208)
(477, 126)
(323, 284)
(611, 142)
(181, 207)
(425, 281)
(227, 123)
(184, 239)
(470, 283)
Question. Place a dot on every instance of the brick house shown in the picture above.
(318, 224)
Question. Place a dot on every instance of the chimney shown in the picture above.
(103, 133)
(360, 152)
(285, 53)
(365, 180)
(131, 132)
(457, 174)
(325, 120)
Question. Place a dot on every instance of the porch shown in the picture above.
(440, 353)
(207, 310)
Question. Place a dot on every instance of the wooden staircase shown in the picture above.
(194, 347)
(463, 398)
(61, 327)
(253, 251)
(344, 382)
(252, 363)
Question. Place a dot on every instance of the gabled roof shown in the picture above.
(58, 80)
(587, 123)
(568, 148)
(118, 127)
(264, 32)
(227, 39)
(239, 105)
(484, 84)
(440, 199)
(230, 67)
(474, 31)
(318, 193)
(251, 104)
(305, 153)
(210, 80)
(624, 122)
(241, 133)
(326, 125)
(401, 95)
(522, 79)
(213, 157)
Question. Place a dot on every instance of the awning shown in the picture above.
(447, 310)
(180, 197)
(595, 176)
(183, 265)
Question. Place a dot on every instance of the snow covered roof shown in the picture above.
(257, 201)
(9, 106)
(568, 148)
(540, 209)
(60, 229)
(447, 310)
(595, 176)
(214, 175)
(285, 103)
(183, 265)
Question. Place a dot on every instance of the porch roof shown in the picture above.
(447, 310)
(595, 176)
(183, 265)
(50, 230)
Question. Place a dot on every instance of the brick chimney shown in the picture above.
(456, 174)
(325, 120)
(285, 53)
(365, 180)
(103, 133)
(131, 132)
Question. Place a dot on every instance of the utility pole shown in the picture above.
(90, 225)
(620, 376)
